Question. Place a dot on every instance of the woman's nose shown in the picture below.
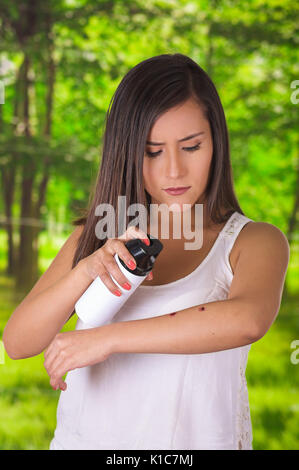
(175, 167)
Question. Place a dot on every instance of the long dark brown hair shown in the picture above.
(147, 91)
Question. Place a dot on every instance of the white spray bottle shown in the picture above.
(97, 305)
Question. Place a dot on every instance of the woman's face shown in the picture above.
(178, 164)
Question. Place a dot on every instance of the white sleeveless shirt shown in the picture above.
(163, 401)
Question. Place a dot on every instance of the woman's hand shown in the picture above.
(79, 348)
(103, 264)
(73, 349)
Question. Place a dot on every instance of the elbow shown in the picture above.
(9, 349)
(263, 319)
(13, 352)
(254, 335)
(10, 345)
(18, 340)
(252, 321)
(255, 331)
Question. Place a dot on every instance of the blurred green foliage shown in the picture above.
(61, 65)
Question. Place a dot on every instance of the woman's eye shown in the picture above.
(189, 149)
(152, 154)
(192, 149)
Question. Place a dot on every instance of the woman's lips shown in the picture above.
(177, 191)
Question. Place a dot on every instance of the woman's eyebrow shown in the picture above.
(180, 140)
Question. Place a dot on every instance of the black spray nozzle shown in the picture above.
(144, 255)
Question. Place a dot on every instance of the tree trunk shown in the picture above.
(27, 269)
(28, 258)
(8, 184)
(8, 179)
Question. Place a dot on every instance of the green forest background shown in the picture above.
(60, 63)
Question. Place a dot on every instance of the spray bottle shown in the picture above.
(97, 305)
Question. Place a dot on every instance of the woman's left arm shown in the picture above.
(244, 317)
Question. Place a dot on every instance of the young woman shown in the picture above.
(169, 371)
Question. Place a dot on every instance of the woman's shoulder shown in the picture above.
(263, 234)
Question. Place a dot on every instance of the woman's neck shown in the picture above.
(179, 225)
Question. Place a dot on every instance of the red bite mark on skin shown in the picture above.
(201, 308)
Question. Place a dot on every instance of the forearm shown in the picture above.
(35, 322)
(223, 324)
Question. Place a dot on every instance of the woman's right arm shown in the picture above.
(49, 304)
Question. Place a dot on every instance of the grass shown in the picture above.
(28, 403)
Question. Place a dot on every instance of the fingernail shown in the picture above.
(132, 264)
(127, 286)
(117, 292)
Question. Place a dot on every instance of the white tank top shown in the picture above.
(163, 401)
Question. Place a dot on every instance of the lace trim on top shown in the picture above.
(232, 225)
(243, 418)
(243, 424)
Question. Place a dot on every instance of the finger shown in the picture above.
(150, 276)
(63, 386)
(49, 362)
(58, 370)
(134, 232)
(117, 247)
(118, 277)
(48, 350)
(111, 286)
(50, 355)
(52, 346)
(58, 384)
(112, 276)
(55, 357)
